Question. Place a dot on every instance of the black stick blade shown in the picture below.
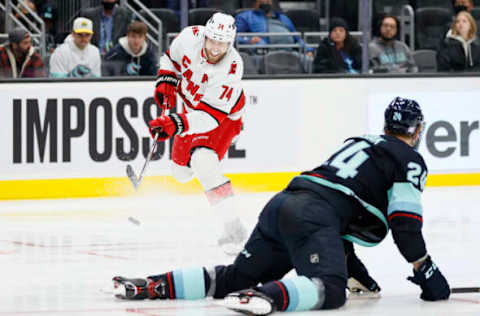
(131, 175)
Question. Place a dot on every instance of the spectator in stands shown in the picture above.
(387, 54)
(458, 5)
(132, 56)
(48, 13)
(460, 50)
(110, 23)
(263, 19)
(462, 5)
(18, 58)
(77, 57)
(339, 52)
(26, 16)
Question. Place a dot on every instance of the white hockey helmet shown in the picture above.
(221, 27)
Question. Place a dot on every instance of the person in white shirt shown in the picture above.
(77, 57)
(213, 105)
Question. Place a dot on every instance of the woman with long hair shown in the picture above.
(339, 52)
(460, 50)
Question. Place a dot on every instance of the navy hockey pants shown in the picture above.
(296, 230)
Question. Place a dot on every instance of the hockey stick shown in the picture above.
(465, 289)
(131, 174)
(136, 181)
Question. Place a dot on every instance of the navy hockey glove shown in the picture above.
(80, 71)
(431, 280)
(168, 125)
(133, 69)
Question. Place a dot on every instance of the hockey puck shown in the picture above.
(134, 221)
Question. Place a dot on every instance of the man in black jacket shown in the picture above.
(109, 24)
(132, 56)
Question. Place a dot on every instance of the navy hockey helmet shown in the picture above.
(403, 116)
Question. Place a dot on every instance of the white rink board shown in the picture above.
(290, 125)
(451, 139)
(260, 132)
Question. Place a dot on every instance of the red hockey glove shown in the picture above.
(166, 89)
(168, 125)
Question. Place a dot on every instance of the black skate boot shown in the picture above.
(140, 289)
(249, 302)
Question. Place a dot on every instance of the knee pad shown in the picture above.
(335, 296)
(181, 173)
(206, 167)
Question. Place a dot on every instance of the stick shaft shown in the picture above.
(465, 289)
(149, 157)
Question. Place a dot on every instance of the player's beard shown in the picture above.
(214, 58)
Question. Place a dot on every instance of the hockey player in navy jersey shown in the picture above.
(369, 186)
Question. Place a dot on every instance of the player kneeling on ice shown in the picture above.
(370, 185)
(213, 105)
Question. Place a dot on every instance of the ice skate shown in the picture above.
(140, 289)
(233, 237)
(249, 302)
(356, 289)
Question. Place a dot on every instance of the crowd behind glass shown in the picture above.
(109, 40)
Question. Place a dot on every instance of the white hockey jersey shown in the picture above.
(210, 92)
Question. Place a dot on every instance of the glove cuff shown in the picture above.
(180, 121)
(168, 77)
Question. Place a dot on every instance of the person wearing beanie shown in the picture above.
(18, 58)
(339, 52)
(387, 54)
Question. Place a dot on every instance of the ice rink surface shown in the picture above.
(57, 257)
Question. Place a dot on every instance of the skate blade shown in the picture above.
(255, 305)
(364, 295)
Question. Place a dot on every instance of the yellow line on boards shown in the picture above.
(460, 179)
(120, 186)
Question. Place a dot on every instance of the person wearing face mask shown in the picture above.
(339, 52)
(110, 22)
(264, 19)
(460, 50)
(386, 53)
(462, 5)
(132, 56)
(18, 58)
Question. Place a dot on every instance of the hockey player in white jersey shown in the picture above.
(204, 70)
